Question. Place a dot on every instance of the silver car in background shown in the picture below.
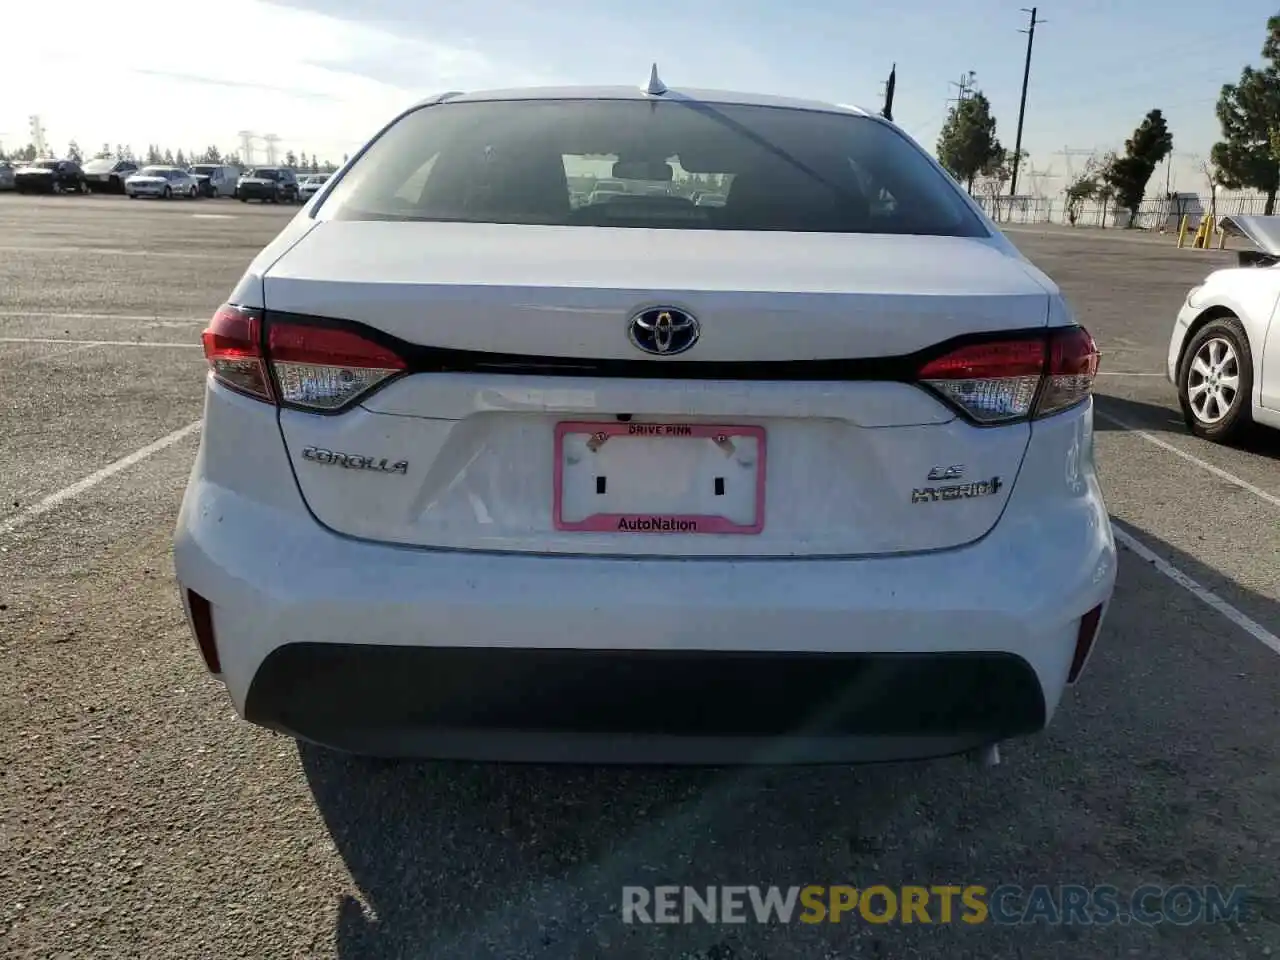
(310, 184)
(163, 182)
(6, 176)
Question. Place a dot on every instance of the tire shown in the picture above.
(1215, 381)
(193, 193)
(168, 194)
(244, 199)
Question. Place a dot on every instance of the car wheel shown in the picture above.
(168, 194)
(244, 199)
(193, 193)
(1215, 382)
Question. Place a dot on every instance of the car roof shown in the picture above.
(698, 95)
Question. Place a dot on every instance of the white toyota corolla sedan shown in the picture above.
(1224, 355)
(806, 477)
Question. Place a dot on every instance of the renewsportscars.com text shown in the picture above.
(940, 904)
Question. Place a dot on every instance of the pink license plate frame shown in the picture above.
(684, 524)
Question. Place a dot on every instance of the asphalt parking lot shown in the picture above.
(139, 817)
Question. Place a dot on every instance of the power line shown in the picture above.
(1022, 106)
(965, 87)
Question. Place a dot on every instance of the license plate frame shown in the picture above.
(666, 523)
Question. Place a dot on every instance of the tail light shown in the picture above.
(1019, 378)
(233, 347)
(317, 368)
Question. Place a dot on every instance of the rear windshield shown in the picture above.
(623, 163)
(203, 168)
(262, 173)
(100, 165)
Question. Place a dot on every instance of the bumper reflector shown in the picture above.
(1084, 642)
(202, 627)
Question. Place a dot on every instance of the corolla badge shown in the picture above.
(664, 331)
(354, 461)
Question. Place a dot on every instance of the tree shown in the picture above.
(1249, 113)
(290, 159)
(168, 157)
(1128, 175)
(211, 155)
(153, 154)
(104, 152)
(74, 152)
(967, 144)
(991, 180)
(1105, 191)
(1081, 188)
(232, 159)
(1212, 177)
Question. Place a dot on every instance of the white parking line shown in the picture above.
(93, 479)
(1200, 592)
(55, 354)
(111, 251)
(1257, 491)
(101, 343)
(1126, 373)
(131, 317)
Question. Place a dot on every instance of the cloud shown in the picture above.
(321, 83)
(239, 84)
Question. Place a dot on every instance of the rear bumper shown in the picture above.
(599, 705)
(401, 651)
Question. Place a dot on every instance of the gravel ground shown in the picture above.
(140, 818)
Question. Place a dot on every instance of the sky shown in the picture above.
(324, 76)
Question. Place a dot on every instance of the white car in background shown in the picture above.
(163, 182)
(311, 183)
(1224, 355)
(484, 475)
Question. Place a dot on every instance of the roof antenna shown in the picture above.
(655, 87)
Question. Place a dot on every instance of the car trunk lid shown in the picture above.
(536, 425)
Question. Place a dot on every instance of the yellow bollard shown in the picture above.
(1182, 231)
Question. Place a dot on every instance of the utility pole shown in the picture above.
(1022, 107)
(246, 146)
(889, 86)
(271, 140)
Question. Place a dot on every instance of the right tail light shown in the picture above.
(1021, 378)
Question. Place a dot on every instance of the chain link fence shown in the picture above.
(1161, 214)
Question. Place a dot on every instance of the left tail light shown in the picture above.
(304, 366)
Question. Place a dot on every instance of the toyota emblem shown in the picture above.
(664, 331)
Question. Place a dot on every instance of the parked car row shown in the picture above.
(269, 184)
